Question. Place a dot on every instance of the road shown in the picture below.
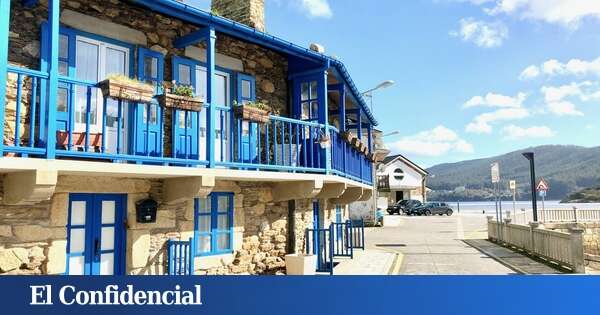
(434, 245)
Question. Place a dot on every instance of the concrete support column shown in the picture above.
(576, 245)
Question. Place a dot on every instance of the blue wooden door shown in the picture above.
(185, 123)
(96, 234)
(246, 93)
(148, 118)
(306, 106)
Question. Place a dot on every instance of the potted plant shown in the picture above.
(180, 96)
(257, 112)
(118, 86)
(301, 264)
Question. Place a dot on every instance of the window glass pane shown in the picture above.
(203, 244)
(112, 113)
(77, 241)
(153, 114)
(304, 92)
(76, 265)
(107, 264)
(63, 47)
(313, 90)
(223, 241)
(150, 68)
(204, 223)
(246, 89)
(78, 212)
(221, 90)
(203, 205)
(63, 68)
(87, 70)
(181, 118)
(61, 103)
(305, 110)
(185, 76)
(314, 110)
(108, 211)
(200, 89)
(107, 238)
(223, 222)
(115, 61)
(223, 204)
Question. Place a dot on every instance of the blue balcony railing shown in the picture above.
(91, 127)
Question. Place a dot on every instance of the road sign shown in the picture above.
(495, 173)
(542, 186)
(542, 193)
(512, 185)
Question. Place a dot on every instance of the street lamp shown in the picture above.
(531, 158)
(380, 86)
(391, 133)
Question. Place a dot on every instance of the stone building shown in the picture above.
(93, 184)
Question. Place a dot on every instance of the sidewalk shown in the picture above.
(367, 262)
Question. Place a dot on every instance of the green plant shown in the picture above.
(260, 105)
(182, 90)
(125, 79)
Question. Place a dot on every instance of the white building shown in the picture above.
(400, 179)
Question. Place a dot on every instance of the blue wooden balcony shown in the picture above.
(51, 113)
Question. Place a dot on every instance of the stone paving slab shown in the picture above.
(367, 262)
(514, 260)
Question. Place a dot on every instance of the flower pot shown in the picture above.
(62, 139)
(300, 264)
(252, 114)
(169, 100)
(127, 91)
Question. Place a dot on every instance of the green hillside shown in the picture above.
(566, 168)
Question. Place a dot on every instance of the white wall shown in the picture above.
(412, 179)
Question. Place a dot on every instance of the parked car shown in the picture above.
(410, 204)
(402, 206)
(431, 208)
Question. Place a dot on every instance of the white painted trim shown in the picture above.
(97, 26)
(224, 61)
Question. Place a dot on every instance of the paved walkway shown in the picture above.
(514, 260)
(367, 262)
(434, 245)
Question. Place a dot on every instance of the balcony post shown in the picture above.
(4, 29)
(324, 118)
(342, 111)
(211, 39)
(359, 135)
(370, 137)
(53, 24)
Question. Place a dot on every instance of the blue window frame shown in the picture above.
(306, 98)
(213, 224)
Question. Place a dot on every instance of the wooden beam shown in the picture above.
(332, 190)
(191, 38)
(351, 195)
(185, 188)
(285, 191)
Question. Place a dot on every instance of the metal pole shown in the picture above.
(515, 204)
(458, 206)
(530, 156)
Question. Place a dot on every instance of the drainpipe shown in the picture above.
(291, 227)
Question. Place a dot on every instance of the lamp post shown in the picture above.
(531, 158)
(380, 86)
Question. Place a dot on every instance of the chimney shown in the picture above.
(249, 12)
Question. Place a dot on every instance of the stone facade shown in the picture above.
(33, 239)
(158, 32)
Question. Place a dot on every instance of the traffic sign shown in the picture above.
(512, 185)
(542, 186)
(495, 173)
(542, 193)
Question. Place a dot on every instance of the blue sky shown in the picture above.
(474, 78)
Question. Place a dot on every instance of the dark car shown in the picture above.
(403, 206)
(431, 208)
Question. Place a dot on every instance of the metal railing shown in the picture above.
(180, 257)
(319, 242)
(557, 215)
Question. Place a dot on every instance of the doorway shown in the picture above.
(399, 195)
(96, 234)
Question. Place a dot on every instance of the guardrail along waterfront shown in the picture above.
(562, 248)
(556, 215)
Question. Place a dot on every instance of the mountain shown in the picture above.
(566, 168)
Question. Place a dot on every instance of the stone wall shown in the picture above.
(33, 239)
(269, 68)
(591, 235)
(249, 12)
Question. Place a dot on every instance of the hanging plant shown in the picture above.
(257, 112)
(180, 96)
(118, 86)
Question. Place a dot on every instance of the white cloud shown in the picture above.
(513, 132)
(481, 33)
(568, 13)
(573, 67)
(556, 97)
(530, 73)
(496, 100)
(483, 123)
(317, 8)
(435, 142)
